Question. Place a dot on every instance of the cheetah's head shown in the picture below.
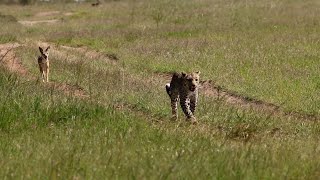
(191, 81)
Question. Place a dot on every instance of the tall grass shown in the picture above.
(262, 49)
(48, 135)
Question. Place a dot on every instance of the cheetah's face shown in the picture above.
(191, 81)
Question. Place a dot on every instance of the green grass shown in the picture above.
(266, 50)
(58, 136)
(11, 24)
(6, 38)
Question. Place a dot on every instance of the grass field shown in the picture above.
(105, 114)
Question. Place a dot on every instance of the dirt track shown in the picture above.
(31, 23)
(208, 88)
(51, 18)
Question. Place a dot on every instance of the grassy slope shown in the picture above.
(261, 49)
(46, 133)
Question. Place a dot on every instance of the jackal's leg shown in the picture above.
(47, 75)
(43, 76)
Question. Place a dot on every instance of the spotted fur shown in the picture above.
(184, 87)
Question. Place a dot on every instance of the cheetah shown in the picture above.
(184, 87)
(43, 62)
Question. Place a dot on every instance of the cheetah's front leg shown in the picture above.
(193, 102)
(185, 105)
(174, 105)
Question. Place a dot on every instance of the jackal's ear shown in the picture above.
(183, 74)
(41, 50)
(48, 48)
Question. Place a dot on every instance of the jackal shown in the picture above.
(43, 62)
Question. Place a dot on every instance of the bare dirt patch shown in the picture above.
(50, 15)
(92, 54)
(31, 23)
(47, 13)
(9, 59)
(210, 89)
(68, 13)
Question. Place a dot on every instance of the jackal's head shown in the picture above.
(44, 53)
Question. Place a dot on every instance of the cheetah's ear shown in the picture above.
(41, 50)
(198, 72)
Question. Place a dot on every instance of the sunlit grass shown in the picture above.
(267, 50)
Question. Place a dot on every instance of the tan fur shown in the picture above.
(43, 61)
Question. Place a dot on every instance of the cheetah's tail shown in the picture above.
(168, 89)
